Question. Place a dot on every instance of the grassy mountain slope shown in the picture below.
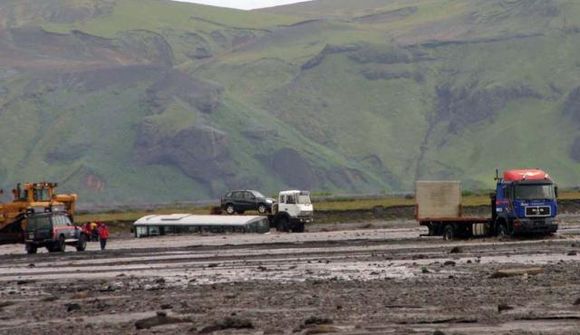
(131, 102)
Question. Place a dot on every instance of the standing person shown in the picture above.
(103, 235)
(94, 232)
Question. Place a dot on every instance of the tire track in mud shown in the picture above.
(289, 261)
(385, 281)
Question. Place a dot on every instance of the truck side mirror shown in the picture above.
(556, 191)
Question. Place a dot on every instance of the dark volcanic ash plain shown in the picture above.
(343, 279)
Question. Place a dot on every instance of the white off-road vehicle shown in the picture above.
(292, 211)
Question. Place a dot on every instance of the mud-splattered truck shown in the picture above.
(524, 202)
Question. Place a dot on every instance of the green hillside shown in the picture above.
(153, 101)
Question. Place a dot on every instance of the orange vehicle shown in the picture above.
(28, 199)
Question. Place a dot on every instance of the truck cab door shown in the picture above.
(291, 206)
(282, 206)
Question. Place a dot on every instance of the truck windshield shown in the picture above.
(531, 192)
(304, 198)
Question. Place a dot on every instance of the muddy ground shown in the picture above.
(377, 277)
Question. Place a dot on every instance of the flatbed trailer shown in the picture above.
(524, 202)
(439, 209)
(451, 227)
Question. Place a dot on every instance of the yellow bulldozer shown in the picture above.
(28, 199)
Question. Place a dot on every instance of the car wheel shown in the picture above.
(31, 248)
(262, 209)
(82, 243)
(230, 209)
(448, 232)
(60, 244)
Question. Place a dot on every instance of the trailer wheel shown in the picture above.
(432, 230)
(31, 248)
(448, 232)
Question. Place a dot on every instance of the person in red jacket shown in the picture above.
(103, 235)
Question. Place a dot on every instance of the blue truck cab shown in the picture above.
(524, 203)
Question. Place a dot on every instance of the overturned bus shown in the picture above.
(173, 224)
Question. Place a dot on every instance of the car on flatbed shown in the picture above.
(240, 201)
(54, 231)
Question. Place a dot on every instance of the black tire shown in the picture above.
(82, 243)
(262, 209)
(282, 224)
(31, 248)
(449, 232)
(60, 245)
(431, 228)
(230, 209)
(502, 231)
(298, 228)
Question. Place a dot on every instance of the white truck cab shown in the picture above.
(292, 211)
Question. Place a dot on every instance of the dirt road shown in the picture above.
(381, 280)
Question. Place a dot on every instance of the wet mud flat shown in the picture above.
(370, 281)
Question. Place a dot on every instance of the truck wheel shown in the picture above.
(262, 209)
(298, 228)
(230, 209)
(502, 232)
(31, 248)
(282, 224)
(448, 232)
(60, 244)
(82, 243)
